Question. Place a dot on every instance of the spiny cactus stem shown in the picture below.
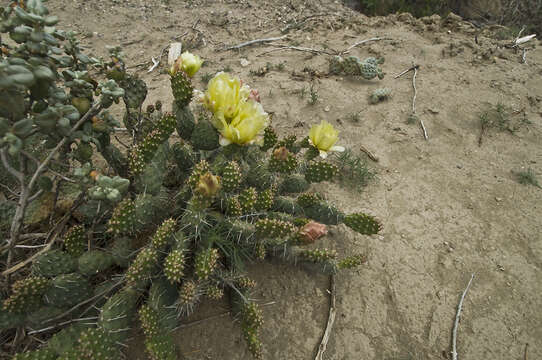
(26, 189)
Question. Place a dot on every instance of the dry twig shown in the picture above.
(330, 320)
(363, 42)
(369, 154)
(456, 322)
(256, 41)
(298, 48)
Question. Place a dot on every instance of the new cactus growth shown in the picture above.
(75, 241)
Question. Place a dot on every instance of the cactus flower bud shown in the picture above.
(208, 185)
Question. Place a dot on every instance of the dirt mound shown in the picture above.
(449, 206)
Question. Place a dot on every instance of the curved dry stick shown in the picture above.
(330, 320)
(456, 322)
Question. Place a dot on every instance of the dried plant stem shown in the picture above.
(364, 42)
(414, 101)
(369, 154)
(330, 320)
(298, 48)
(456, 322)
(256, 41)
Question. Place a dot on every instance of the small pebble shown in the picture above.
(244, 62)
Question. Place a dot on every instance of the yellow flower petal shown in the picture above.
(225, 94)
(323, 136)
(246, 127)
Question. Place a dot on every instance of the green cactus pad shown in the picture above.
(10, 320)
(204, 136)
(247, 200)
(53, 263)
(189, 295)
(41, 354)
(67, 338)
(363, 223)
(282, 161)
(264, 201)
(148, 317)
(135, 91)
(294, 184)
(122, 251)
(185, 121)
(182, 88)
(94, 262)
(271, 228)
(144, 152)
(351, 262)
(183, 155)
(324, 213)
(174, 266)
(205, 263)
(75, 241)
(269, 138)
(231, 176)
(97, 344)
(26, 294)
(199, 169)
(142, 268)
(118, 313)
(233, 207)
(318, 171)
(68, 290)
(306, 200)
(123, 220)
(214, 292)
(161, 347)
(379, 95)
(164, 234)
(318, 255)
(287, 205)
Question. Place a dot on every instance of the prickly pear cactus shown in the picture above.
(175, 220)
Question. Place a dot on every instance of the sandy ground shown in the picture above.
(449, 206)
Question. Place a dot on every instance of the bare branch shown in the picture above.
(256, 41)
(330, 320)
(18, 175)
(364, 42)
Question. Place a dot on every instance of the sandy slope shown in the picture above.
(449, 206)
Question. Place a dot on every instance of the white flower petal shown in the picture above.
(323, 154)
(337, 148)
(224, 141)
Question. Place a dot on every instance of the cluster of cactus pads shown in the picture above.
(368, 68)
(177, 219)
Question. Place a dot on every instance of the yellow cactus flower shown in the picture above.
(323, 137)
(188, 63)
(245, 128)
(224, 96)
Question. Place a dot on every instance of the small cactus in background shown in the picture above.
(368, 68)
(379, 95)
